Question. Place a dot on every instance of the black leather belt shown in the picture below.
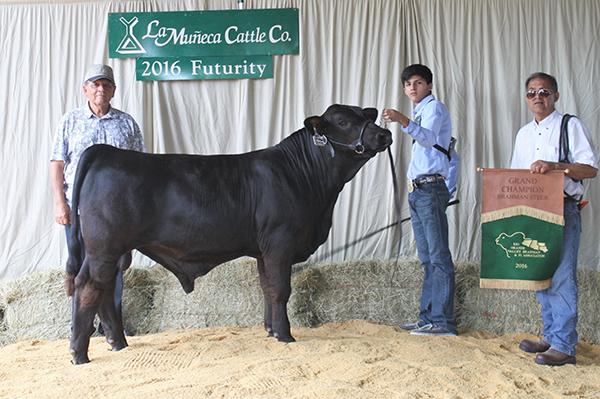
(419, 181)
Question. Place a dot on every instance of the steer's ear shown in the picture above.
(312, 123)
(370, 113)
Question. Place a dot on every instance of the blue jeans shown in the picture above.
(428, 204)
(559, 302)
(118, 298)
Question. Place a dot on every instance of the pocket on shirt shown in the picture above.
(550, 153)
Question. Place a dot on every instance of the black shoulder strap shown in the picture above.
(446, 152)
(442, 150)
(437, 146)
(563, 145)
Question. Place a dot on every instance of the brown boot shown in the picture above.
(553, 357)
(531, 346)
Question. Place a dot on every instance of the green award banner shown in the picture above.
(522, 228)
(204, 68)
(203, 33)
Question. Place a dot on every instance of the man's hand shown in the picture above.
(62, 213)
(542, 167)
(575, 171)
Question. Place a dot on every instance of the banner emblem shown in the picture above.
(130, 44)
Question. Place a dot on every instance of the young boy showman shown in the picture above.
(430, 129)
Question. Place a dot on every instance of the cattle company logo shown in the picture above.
(130, 44)
(518, 245)
(225, 44)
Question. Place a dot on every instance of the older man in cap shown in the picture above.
(96, 122)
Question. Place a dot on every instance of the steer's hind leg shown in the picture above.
(278, 277)
(111, 314)
(111, 319)
(268, 311)
(85, 304)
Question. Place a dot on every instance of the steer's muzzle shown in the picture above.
(383, 139)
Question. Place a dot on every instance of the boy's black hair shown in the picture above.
(419, 70)
(541, 75)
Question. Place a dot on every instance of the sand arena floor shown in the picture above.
(354, 359)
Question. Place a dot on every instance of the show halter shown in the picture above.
(357, 145)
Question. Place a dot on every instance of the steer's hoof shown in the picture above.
(269, 331)
(284, 338)
(79, 358)
(116, 345)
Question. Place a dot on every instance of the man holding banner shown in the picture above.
(538, 148)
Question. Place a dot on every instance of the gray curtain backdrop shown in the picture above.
(351, 52)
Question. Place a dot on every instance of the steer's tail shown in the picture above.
(75, 242)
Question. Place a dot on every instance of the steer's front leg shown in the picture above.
(268, 311)
(278, 275)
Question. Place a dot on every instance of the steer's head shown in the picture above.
(349, 128)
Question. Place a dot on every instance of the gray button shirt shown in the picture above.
(80, 129)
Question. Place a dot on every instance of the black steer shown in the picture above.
(191, 213)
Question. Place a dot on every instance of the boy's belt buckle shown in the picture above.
(411, 186)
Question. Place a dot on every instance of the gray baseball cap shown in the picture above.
(99, 71)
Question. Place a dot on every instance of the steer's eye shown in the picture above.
(342, 123)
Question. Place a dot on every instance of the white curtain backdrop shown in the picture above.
(351, 52)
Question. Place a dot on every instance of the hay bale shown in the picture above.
(35, 307)
(229, 295)
(3, 327)
(380, 291)
(589, 305)
(138, 299)
(493, 310)
(504, 311)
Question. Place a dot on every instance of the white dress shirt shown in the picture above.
(540, 141)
